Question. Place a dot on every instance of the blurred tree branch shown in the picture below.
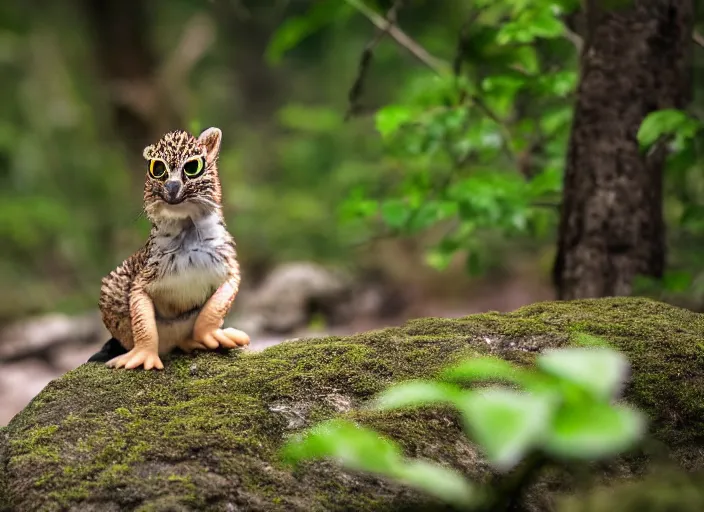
(436, 64)
(386, 25)
(196, 39)
(366, 59)
(168, 89)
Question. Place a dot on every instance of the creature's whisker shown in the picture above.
(207, 202)
(142, 213)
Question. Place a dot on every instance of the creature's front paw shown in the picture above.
(135, 358)
(228, 338)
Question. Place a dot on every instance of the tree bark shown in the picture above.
(635, 60)
(125, 57)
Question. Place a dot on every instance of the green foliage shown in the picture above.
(468, 142)
(669, 122)
(506, 423)
(360, 448)
(562, 409)
(683, 134)
(597, 372)
(296, 28)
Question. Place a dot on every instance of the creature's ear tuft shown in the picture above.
(147, 152)
(211, 138)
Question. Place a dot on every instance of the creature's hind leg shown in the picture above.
(110, 350)
(115, 306)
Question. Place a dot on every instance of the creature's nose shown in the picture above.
(172, 189)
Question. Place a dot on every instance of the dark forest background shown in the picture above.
(445, 145)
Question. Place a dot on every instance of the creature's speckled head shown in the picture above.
(182, 176)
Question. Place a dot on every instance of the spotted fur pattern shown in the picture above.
(189, 252)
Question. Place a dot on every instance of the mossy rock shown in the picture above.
(204, 433)
(668, 490)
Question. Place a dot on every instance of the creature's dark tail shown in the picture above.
(112, 348)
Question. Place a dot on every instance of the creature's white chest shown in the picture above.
(190, 265)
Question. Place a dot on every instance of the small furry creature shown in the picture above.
(176, 290)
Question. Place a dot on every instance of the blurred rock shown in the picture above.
(36, 336)
(19, 383)
(295, 294)
(68, 357)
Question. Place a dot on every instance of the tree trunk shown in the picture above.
(247, 29)
(121, 30)
(634, 61)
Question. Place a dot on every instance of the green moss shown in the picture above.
(668, 490)
(204, 433)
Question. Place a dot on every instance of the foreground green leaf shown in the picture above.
(594, 430)
(486, 368)
(361, 449)
(438, 481)
(599, 371)
(354, 446)
(507, 424)
(417, 393)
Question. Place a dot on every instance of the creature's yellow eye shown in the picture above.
(157, 169)
(194, 168)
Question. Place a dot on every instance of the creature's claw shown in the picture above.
(135, 358)
(228, 338)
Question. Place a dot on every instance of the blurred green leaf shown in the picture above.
(356, 447)
(546, 24)
(666, 122)
(594, 430)
(359, 448)
(500, 92)
(559, 83)
(539, 21)
(395, 213)
(438, 260)
(555, 120)
(295, 29)
(506, 424)
(599, 371)
(527, 58)
(390, 118)
(444, 483)
(429, 213)
(549, 180)
(486, 368)
(677, 281)
(417, 393)
(440, 256)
